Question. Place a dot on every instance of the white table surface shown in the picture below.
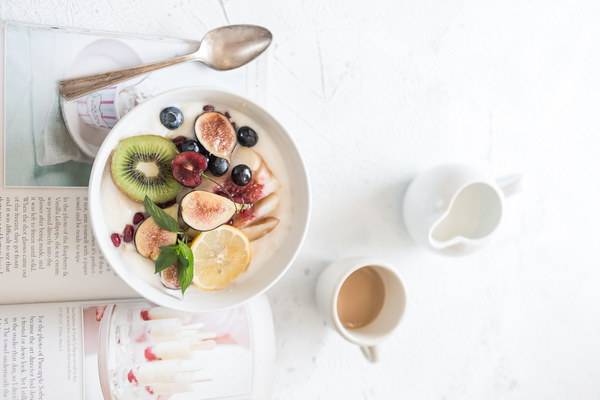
(374, 93)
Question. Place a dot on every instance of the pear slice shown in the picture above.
(260, 228)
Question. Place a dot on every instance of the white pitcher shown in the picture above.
(453, 209)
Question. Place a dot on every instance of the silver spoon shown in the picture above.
(224, 48)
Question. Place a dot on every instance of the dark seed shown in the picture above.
(138, 217)
(208, 108)
(178, 140)
(128, 233)
(116, 239)
(227, 114)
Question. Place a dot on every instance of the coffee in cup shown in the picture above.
(363, 299)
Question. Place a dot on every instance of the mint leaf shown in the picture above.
(167, 257)
(185, 265)
(161, 218)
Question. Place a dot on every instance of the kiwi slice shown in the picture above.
(141, 165)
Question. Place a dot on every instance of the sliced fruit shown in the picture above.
(260, 228)
(141, 165)
(216, 134)
(149, 237)
(204, 211)
(169, 278)
(220, 256)
(187, 168)
(260, 209)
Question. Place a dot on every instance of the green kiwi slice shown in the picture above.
(141, 165)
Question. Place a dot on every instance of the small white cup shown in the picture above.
(369, 336)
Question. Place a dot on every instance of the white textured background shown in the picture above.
(375, 92)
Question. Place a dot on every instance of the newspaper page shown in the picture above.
(47, 248)
(127, 350)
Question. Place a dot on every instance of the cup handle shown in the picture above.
(510, 184)
(370, 353)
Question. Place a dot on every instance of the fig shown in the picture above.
(169, 278)
(215, 132)
(187, 168)
(149, 237)
(205, 211)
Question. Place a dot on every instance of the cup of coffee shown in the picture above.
(363, 299)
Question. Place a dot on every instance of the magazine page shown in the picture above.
(47, 148)
(130, 349)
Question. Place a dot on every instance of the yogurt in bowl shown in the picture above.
(111, 210)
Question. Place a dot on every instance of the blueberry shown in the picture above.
(217, 166)
(246, 136)
(241, 175)
(190, 145)
(171, 117)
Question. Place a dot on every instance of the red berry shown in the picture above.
(178, 140)
(128, 233)
(208, 108)
(116, 239)
(145, 315)
(138, 217)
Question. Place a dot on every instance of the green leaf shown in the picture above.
(161, 218)
(185, 266)
(167, 257)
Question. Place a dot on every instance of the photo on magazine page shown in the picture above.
(125, 351)
(51, 142)
(142, 351)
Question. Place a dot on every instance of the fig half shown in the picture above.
(216, 133)
(149, 237)
(205, 211)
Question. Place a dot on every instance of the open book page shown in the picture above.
(47, 148)
(132, 349)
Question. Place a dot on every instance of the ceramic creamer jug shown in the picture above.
(453, 209)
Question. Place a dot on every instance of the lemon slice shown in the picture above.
(220, 256)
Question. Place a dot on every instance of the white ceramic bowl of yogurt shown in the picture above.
(110, 210)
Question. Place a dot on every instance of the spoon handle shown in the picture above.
(73, 88)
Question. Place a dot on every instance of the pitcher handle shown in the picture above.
(370, 352)
(510, 184)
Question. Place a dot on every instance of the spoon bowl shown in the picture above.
(222, 49)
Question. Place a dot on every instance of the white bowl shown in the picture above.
(110, 210)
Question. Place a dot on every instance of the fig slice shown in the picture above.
(169, 277)
(149, 237)
(205, 211)
(216, 133)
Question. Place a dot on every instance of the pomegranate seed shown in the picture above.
(208, 107)
(128, 233)
(234, 126)
(116, 239)
(145, 315)
(227, 114)
(178, 140)
(230, 222)
(166, 204)
(138, 217)
(248, 211)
